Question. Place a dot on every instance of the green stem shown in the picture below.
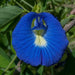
(27, 3)
(52, 72)
(21, 6)
(10, 63)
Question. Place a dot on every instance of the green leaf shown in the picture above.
(10, 72)
(23, 67)
(3, 29)
(40, 70)
(43, 2)
(64, 57)
(8, 13)
(73, 53)
(1, 72)
(2, 52)
(10, 26)
(67, 19)
(3, 40)
(59, 1)
(4, 59)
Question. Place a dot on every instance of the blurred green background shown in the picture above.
(10, 13)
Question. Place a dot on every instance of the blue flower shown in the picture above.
(41, 43)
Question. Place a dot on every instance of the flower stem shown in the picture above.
(10, 63)
(21, 6)
(27, 3)
(52, 72)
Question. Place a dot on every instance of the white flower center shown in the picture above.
(40, 41)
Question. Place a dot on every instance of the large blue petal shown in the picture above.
(55, 37)
(23, 40)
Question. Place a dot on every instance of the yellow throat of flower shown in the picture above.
(40, 41)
